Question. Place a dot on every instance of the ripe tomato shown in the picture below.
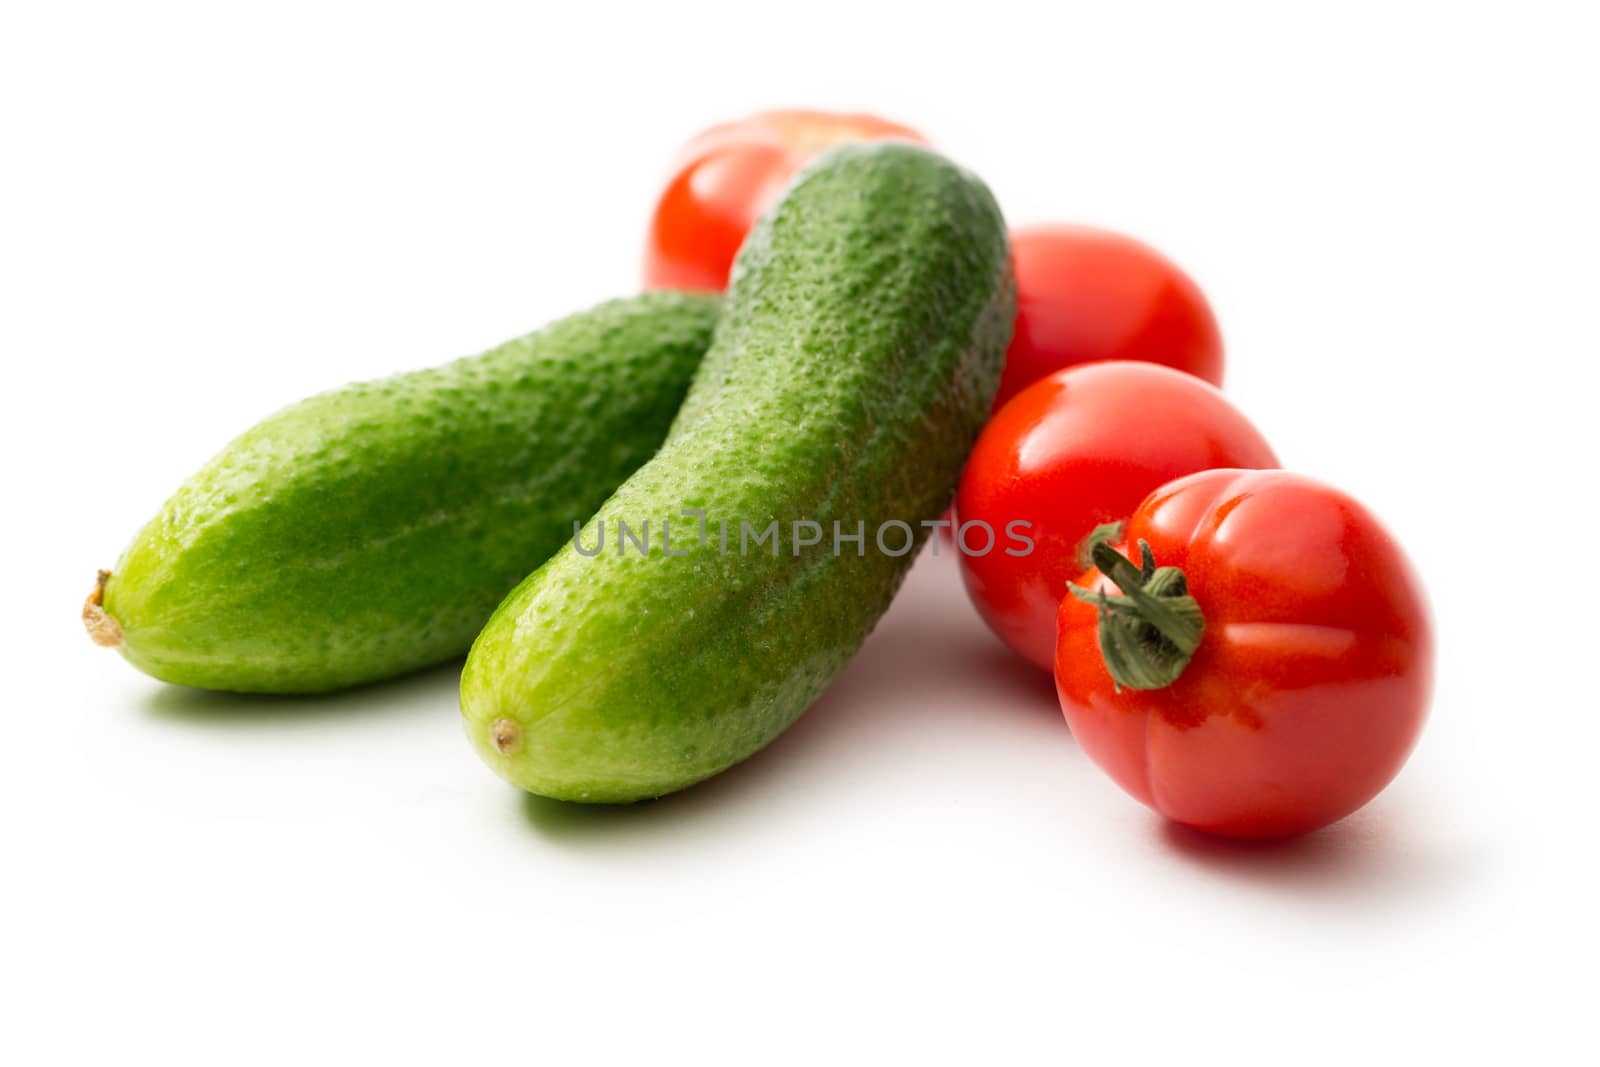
(727, 176)
(1075, 451)
(1274, 668)
(1085, 295)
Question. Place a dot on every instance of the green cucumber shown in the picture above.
(371, 530)
(859, 351)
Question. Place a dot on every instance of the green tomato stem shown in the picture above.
(1148, 634)
(1107, 533)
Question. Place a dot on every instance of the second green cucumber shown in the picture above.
(371, 530)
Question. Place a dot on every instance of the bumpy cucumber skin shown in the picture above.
(859, 351)
(370, 531)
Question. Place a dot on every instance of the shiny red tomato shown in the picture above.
(1072, 452)
(727, 176)
(1085, 295)
(1268, 674)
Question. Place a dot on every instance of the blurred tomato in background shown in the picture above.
(727, 176)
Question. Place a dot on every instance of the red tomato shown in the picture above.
(727, 176)
(1070, 453)
(1310, 669)
(1085, 295)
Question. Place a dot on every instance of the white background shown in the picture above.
(209, 212)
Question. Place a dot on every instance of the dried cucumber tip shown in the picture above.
(104, 630)
(507, 736)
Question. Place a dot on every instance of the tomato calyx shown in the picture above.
(1149, 632)
(1107, 533)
